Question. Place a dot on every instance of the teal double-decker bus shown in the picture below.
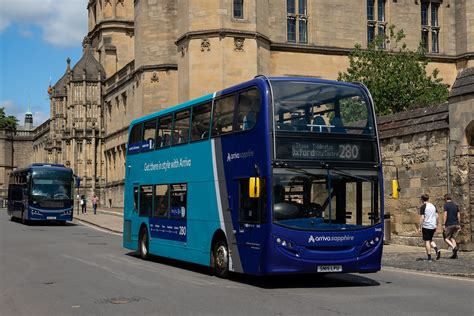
(272, 176)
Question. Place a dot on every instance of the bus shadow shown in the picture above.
(305, 281)
(43, 223)
(274, 281)
(174, 263)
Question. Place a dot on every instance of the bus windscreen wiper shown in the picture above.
(285, 165)
(344, 173)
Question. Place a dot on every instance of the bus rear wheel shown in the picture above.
(221, 259)
(143, 245)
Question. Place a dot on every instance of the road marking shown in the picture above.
(118, 274)
(440, 276)
(98, 228)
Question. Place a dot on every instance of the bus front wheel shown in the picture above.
(221, 259)
(143, 246)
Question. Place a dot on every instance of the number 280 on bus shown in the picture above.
(275, 175)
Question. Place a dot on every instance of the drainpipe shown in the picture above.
(448, 163)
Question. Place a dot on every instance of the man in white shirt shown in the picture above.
(428, 224)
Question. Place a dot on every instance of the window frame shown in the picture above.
(140, 193)
(236, 111)
(167, 197)
(169, 191)
(210, 104)
(139, 132)
(154, 136)
(158, 128)
(175, 114)
(430, 29)
(261, 203)
(234, 96)
(238, 3)
(297, 20)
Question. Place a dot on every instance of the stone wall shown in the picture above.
(419, 146)
(414, 144)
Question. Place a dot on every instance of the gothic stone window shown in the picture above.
(238, 9)
(430, 26)
(372, 23)
(297, 21)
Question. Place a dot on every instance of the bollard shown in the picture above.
(387, 236)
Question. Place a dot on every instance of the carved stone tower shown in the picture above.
(219, 47)
(76, 130)
(111, 33)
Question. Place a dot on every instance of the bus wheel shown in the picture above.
(143, 247)
(221, 259)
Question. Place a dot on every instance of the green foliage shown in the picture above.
(396, 76)
(7, 122)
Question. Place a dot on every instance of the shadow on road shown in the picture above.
(274, 281)
(42, 223)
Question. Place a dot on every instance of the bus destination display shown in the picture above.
(288, 148)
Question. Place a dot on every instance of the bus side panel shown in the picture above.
(241, 156)
(186, 239)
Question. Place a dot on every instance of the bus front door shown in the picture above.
(250, 232)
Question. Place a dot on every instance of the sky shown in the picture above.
(36, 38)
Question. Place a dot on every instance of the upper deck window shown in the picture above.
(223, 118)
(248, 109)
(201, 122)
(165, 125)
(315, 107)
(181, 127)
(149, 131)
(134, 141)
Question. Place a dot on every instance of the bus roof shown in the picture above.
(184, 105)
(34, 166)
(257, 79)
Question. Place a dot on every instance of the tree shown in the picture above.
(396, 77)
(7, 122)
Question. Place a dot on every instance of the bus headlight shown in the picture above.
(283, 242)
(369, 244)
(36, 212)
(67, 212)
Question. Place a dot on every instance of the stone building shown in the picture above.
(141, 56)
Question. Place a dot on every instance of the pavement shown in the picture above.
(395, 256)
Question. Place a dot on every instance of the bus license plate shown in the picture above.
(51, 217)
(330, 268)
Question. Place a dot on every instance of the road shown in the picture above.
(50, 269)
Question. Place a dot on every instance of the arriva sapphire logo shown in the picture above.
(315, 239)
(243, 155)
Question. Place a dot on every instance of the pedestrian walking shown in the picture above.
(95, 200)
(451, 226)
(84, 204)
(428, 224)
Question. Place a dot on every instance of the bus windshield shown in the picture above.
(330, 200)
(51, 185)
(318, 107)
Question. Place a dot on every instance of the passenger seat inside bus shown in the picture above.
(319, 125)
(158, 141)
(166, 140)
(338, 125)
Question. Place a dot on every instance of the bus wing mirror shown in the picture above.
(395, 189)
(254, 187)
